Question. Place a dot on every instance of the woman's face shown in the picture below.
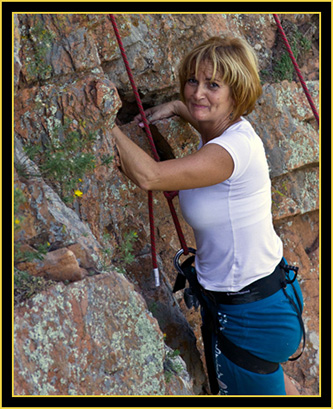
(208, 101)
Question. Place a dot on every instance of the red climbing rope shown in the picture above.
(135, 90)
(169, 195)
(305, 88)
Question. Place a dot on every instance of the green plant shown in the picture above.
(42, 41)
(172, 366)
(126, 247)
(284, 68)
(26, 286)
(106, 258)
(28, 255)
(65, 161)
(125, 252)
(18, 200)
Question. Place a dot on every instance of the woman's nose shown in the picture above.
(199, 92)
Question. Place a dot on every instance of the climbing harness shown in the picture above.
(196, 295)
(291, 55)
(168, 195)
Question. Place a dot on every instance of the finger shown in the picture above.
(141, 123)
(137, 118)
(149, 117)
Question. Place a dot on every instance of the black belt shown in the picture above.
(262, 288)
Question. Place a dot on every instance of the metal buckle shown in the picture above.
(177, 257)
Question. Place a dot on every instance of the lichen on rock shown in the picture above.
(89, 338)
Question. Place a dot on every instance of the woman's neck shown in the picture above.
(209, 132)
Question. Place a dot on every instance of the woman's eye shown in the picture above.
(214, 85)
(192, 81)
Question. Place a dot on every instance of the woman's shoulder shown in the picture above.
(243, 144)
(243, 126)
(239, 134)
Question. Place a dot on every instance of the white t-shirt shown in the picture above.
(232, 221)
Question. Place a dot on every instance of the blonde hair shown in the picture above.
(237, 64)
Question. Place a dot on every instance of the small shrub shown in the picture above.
(65, 161)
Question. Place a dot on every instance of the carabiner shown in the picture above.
(177, 257)
(295, 270)
(287, 268)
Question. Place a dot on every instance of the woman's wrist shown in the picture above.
(178, 108)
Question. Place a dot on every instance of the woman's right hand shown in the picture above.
(163, 111)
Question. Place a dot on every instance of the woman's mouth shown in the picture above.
(198, 106)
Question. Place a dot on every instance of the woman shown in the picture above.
(224, 193)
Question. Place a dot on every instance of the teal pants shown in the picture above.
(268, 328)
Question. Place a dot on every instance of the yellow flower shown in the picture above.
(17, 221)
(80, 180)
(78, 193)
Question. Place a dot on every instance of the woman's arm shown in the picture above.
(210, 165)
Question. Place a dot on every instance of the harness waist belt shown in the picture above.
(262, 288)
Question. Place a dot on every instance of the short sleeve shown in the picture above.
(238, 145)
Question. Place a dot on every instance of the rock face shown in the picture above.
(89, 338)
(71, 199)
